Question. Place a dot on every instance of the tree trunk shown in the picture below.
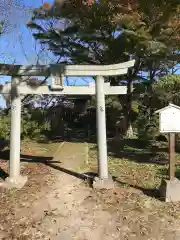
(128, 130)
(128, 108)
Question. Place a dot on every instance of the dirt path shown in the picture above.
(57, 215)
(69, 209)
(70, 213)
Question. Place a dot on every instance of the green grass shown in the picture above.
(42, 148)
(130, 173)
(133, 165)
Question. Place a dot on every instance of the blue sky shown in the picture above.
(11, 43)
(18, 46)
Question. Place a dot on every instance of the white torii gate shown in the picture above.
(17, 88)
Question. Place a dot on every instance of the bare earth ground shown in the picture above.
(54, 204)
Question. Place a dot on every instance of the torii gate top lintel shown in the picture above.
(66, 70)
(58, 72)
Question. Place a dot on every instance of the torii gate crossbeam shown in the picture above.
(17, 88)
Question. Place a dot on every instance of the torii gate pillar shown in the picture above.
(103, 180)
(15, 180)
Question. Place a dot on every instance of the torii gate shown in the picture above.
(17, 88)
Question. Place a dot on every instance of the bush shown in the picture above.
(29, 129)
(32, 129)
(4, 127)
(33, 126)
(147, 126)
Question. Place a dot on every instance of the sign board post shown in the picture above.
(172, 154)
(169, 123)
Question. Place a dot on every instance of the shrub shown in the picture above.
(4, 127)
(147, 126)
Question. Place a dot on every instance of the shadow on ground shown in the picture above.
(87, 176)
(137, 151)
(48, 161)
(132, 149)
(147, 191)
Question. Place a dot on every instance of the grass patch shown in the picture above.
(134, 165)
(128, 172)
(32, 147)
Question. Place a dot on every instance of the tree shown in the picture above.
(106, 32)
(164, 91)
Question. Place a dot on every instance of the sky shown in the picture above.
(17, 45)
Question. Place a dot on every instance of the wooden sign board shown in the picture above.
(169, 122)
(169, 119)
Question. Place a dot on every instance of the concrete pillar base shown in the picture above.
(106, 183)
(170, 190)
(17, 182)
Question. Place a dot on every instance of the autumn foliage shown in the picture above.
(46, 6)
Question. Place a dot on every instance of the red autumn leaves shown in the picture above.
(47, 6)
